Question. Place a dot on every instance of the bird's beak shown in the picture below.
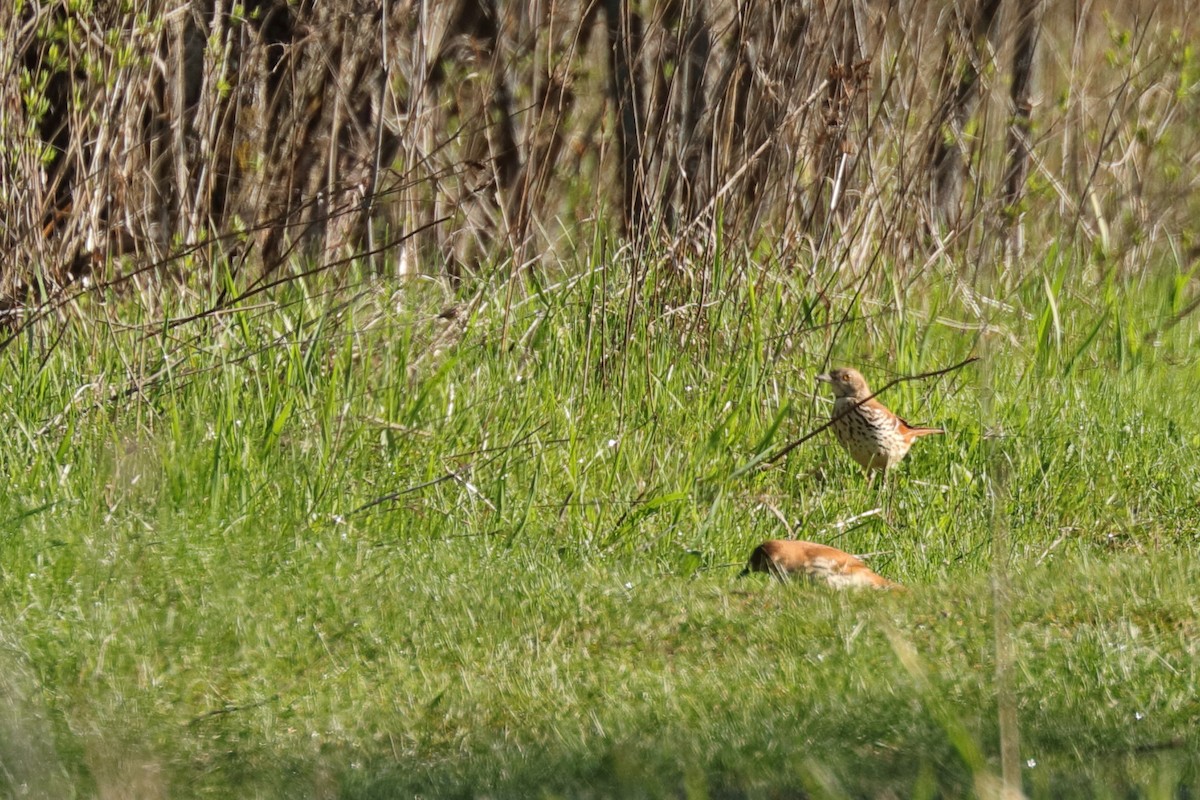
(824, 378)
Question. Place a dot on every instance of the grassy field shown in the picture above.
(339, 543)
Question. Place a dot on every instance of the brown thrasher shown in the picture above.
(872, 435)
(819, 563)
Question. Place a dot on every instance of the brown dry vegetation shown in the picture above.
(141, 139)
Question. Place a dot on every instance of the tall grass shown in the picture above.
(343, 542)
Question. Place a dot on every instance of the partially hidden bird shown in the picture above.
(873, 436)
(818, 563)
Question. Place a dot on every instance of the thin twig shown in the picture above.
(453, 474)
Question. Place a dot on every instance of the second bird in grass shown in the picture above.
(819, 563)
(872, 435)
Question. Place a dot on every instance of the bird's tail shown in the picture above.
(884, 583)
(925, 431)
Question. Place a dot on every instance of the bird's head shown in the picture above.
(846, 382)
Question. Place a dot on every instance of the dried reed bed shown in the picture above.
(447, 138)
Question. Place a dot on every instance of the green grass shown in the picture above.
(342, 546)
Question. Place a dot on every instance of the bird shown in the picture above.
(819, 563)
(873, 436)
